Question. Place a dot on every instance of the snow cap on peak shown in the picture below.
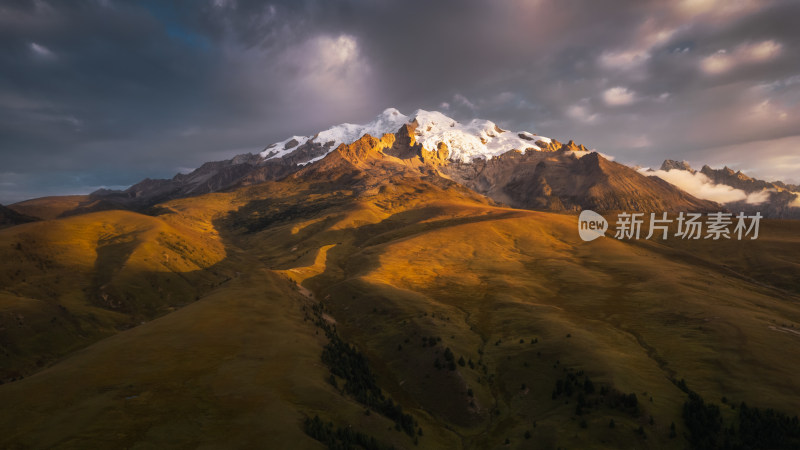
(391, 112)
(477, 139)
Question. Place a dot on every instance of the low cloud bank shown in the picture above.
(702, 187)
(796, 201)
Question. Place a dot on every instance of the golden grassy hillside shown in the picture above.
(490, 327)
(633, 316)
(50, 207)
(65, 283)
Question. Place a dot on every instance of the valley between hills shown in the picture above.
(368, 301)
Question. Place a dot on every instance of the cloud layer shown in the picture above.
(701, 186)
(108, 92)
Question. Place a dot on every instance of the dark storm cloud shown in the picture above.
(107, 92)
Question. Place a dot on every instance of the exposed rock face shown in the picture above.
(366, 148)
(737, 180)
(554, 146)
(436, 157)
(210, 177)
(405, 144)
(304, 153)
(290, 144)
(671, 164)
(560, 181)
(368, 165)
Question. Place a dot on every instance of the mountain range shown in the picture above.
(738, 191)
(519, 169)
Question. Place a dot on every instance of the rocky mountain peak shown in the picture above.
(670, 164)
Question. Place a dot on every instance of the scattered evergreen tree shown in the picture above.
(344, 438)
(703, 421)
(449, 358)
(350, 365)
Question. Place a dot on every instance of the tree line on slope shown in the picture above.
(347, 363)
(752, 428)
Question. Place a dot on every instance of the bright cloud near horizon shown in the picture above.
(106, 93)
(699, 185)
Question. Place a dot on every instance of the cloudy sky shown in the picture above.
(108, 92)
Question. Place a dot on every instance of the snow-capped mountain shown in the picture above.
(516, 168)
(477, 139)
(433, 131)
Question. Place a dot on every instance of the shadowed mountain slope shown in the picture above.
(9, 217)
